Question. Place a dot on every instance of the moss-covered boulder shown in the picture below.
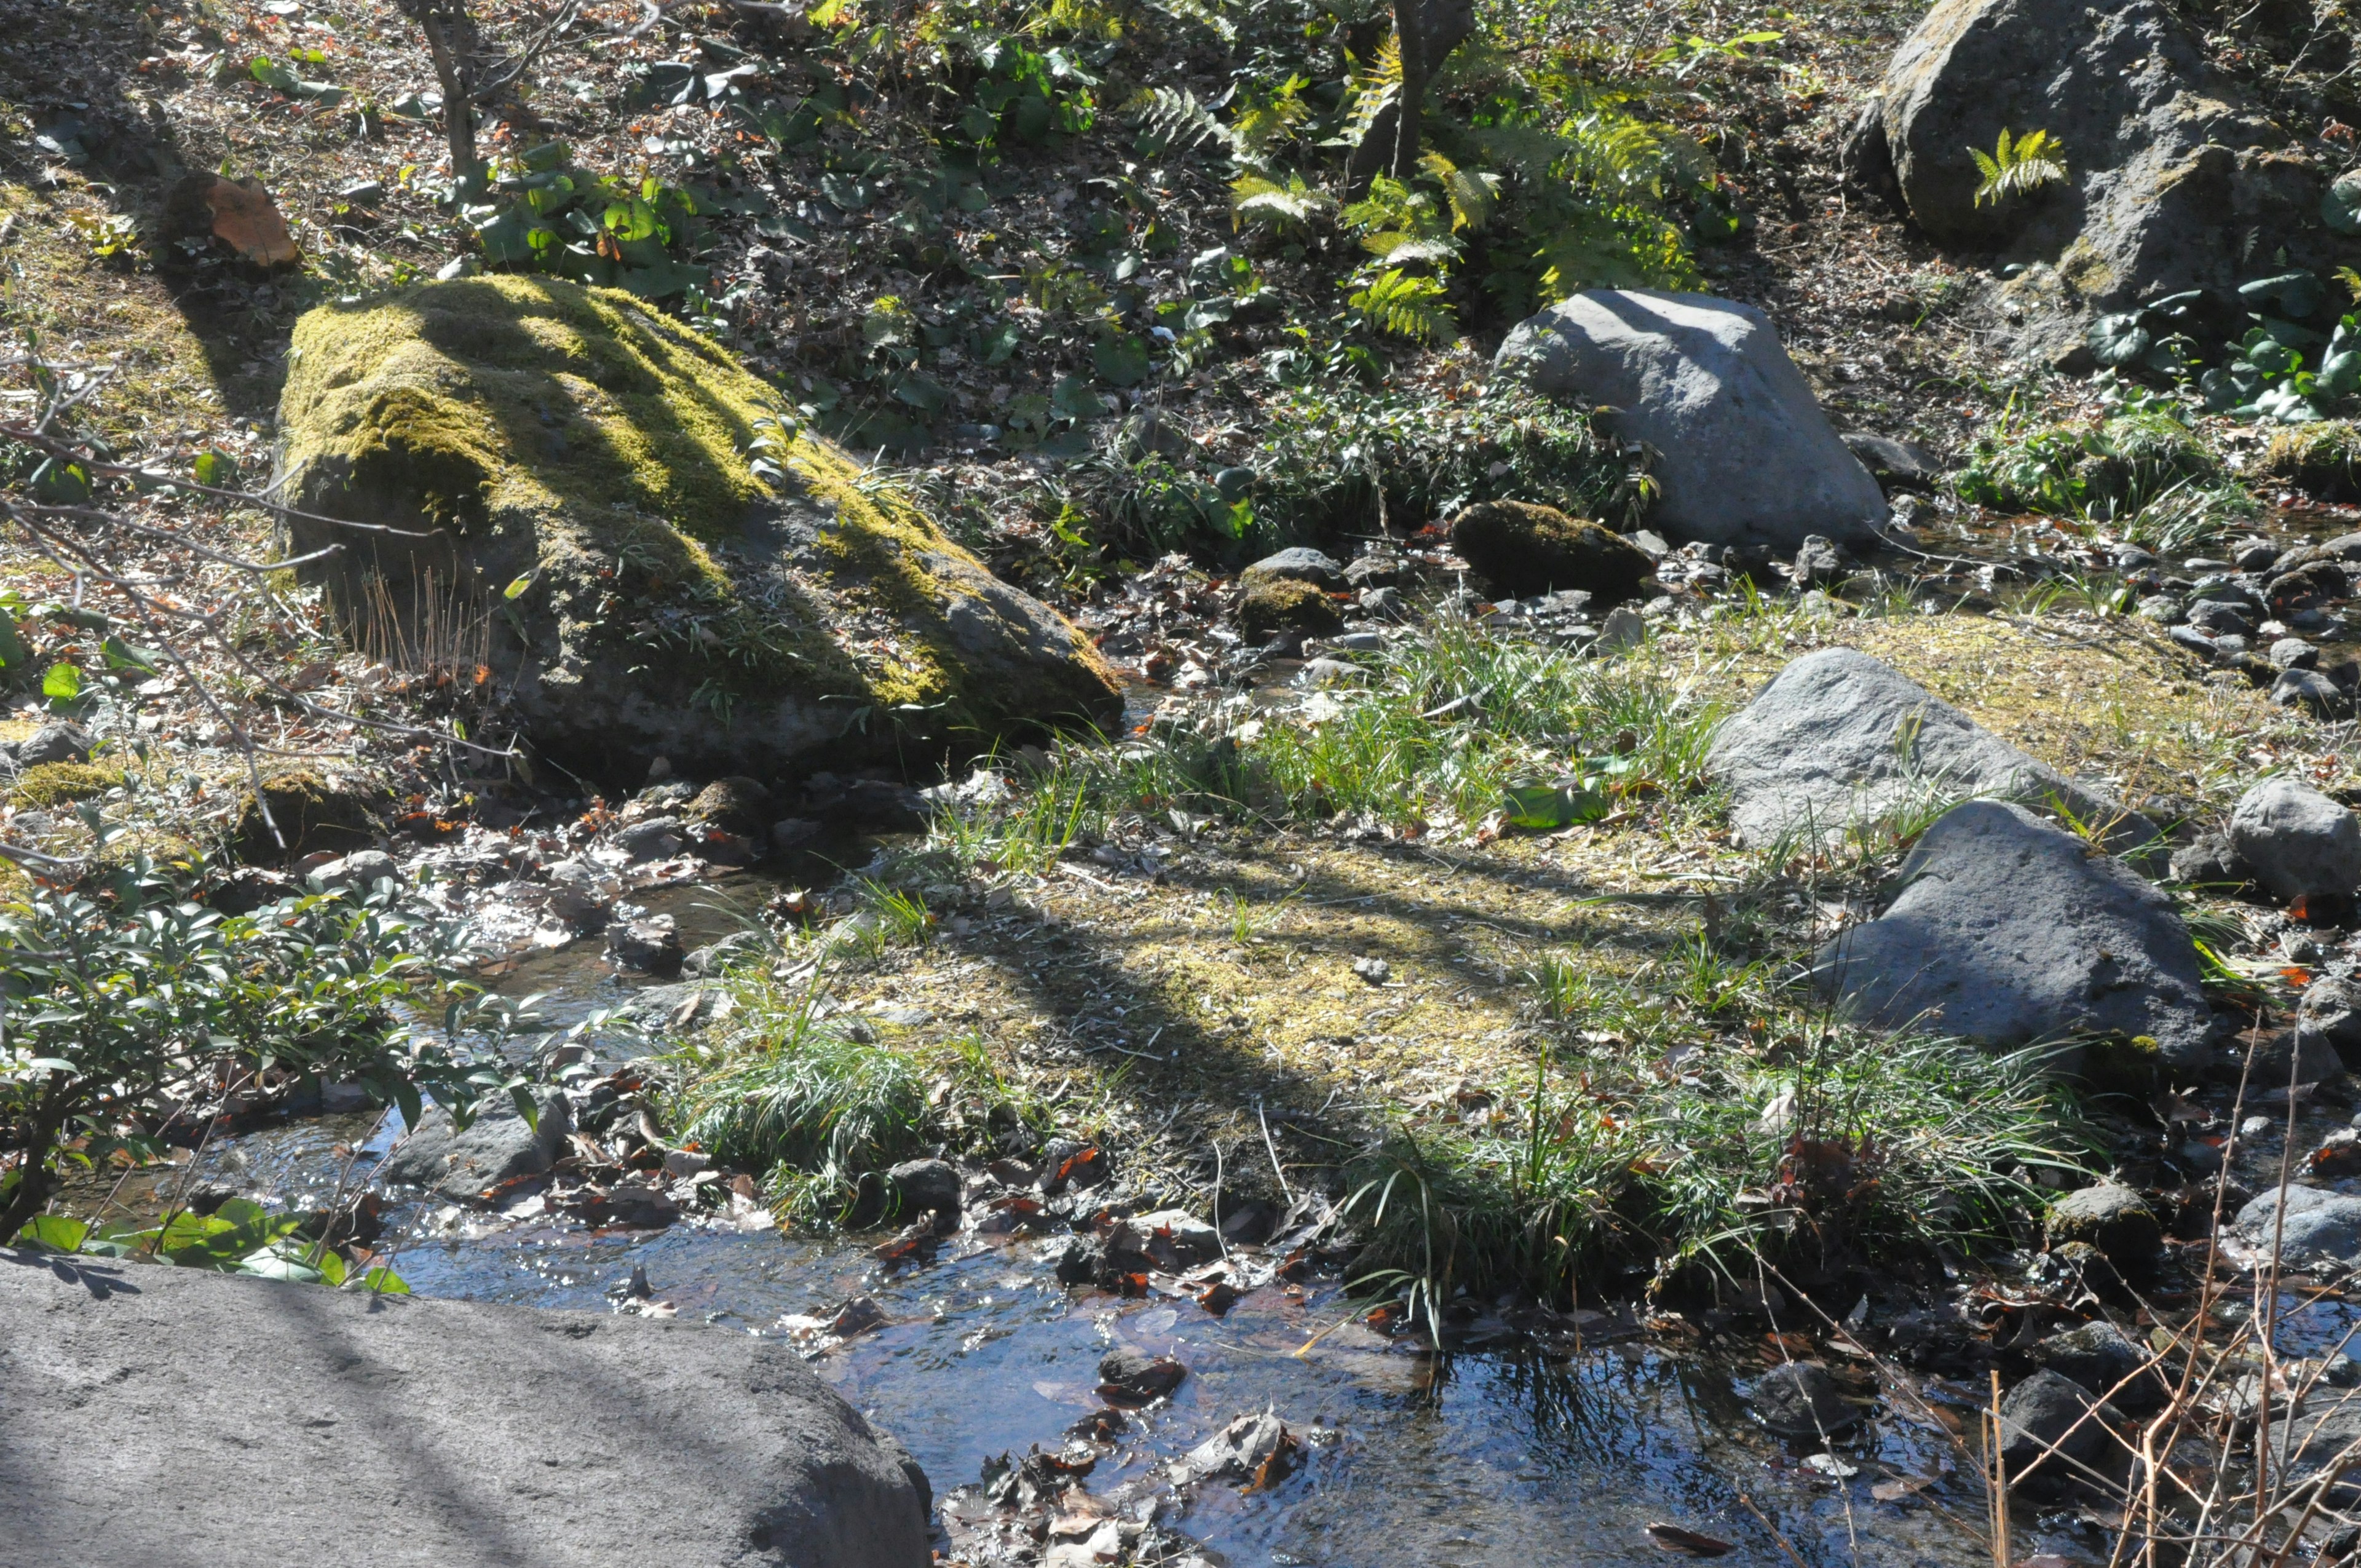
(1519, 548)
(2322, 460)
(57, 784)
(1274, 604)
(668, 566)
(313, 815)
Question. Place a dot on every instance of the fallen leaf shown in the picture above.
(248, 221)
(1673, 1537)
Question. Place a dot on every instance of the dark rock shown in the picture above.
(2297, 841)
(1817, 563)
(1822, 746)
(651, 838)
(2278, 1058)
(2208, 858)
(651, 945)
(1275, 605)
(2293, 653)
(2193, 640)
(2043, 1412)
(1895, 465)
(921, 1186)
(736, 804)
(495, 1434)
(2254, 555)
(55, 741)
(2008, 930)
(1128, 1377)
(2315, 585)
(2157, 148)
(1522, 549)
(1800, 1399)
(884, 803)
(2221, 618)
(2100, 1356)
(313, 814)
(792, 833)
(1747, 457)
(2329, 1015)
(363, 868)
(497, 1147)
(1171, 1239)
(2312, 692)
(1297, 565)
(1374, 571)
(2318, 1225)
(2112, 1218)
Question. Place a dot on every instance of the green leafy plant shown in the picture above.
(129, 1010)
(544, 213)
(2018, 167)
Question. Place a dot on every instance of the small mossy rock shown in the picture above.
(57, 784)
(1286, 604)
(1521, 549)
(734, 805)
(2102, 1357)
(1800, 1399)
(313, 812)
(671, 566)
(2322, 460)
(2112, 1218)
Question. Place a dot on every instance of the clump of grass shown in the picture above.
(1708, 1117)
(784, 1091)
(1445, 724)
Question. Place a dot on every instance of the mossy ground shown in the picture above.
(57, 784)
(2321, 460)
(1195, 1004)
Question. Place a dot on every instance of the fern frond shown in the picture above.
(2013, 167)
(1530, 152)
(1259, 200)
(1173, 116)
(1469, 193)
(1206, 14)
(1372, 90)
(1409, 250)
(1264, 118)
(1395, 302)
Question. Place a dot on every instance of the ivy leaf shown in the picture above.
(2119, 339)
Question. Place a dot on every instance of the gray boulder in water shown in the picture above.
(1746, 456)
(2298, 842)
(2011, 932)
(1839, 738)
(495, 1147)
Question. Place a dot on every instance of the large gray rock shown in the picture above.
(1839, 738)
(163, 1417)
(1745, 454)
(2297, 841)
(495, 1147)
(2318, 1224)
(2052, 1420)
(2171, 182)
(2009, 931)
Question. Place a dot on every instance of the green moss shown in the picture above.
(576, 443)
(1521, 548)
(2322, 460)
(55, 784)
(1283, 604)
(311, 814)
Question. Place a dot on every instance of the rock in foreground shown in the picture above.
(163, 1416)
(2009, 932)
(1747, 457)
(648, 549)
(1839, 738)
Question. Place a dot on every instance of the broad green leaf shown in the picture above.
(384, 1281)
(516, 589)
(58, 1233)
(1121, 358)
(216, 470)
(2339, 205)
(2119, 339)
(122, 655)
(62, 683)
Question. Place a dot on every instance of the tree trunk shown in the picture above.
(1429, 30)
(33, 1180)
(458, 102)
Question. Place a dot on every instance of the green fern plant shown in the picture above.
(1286, 205)
(1470, 194)
(1407, 306)
(1372, 90)
(1173, 117)
(1261, 118)
(2016, 168)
